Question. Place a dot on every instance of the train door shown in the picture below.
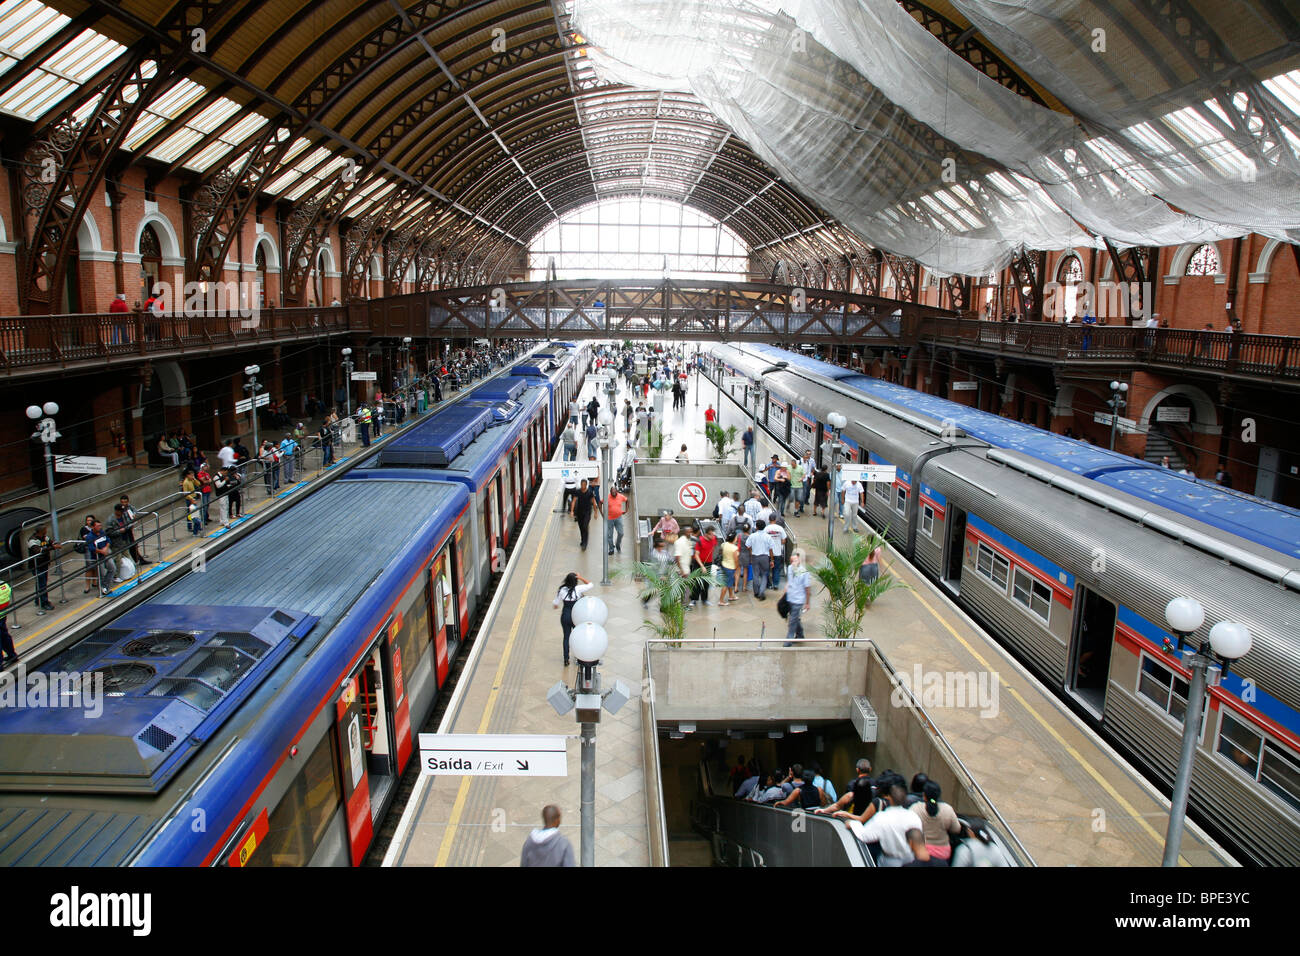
(500, 495)
(375, 696)
(355, 771)
(954, 550)
(440, 589)
(1094, 636)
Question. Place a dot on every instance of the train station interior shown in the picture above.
(650, 433)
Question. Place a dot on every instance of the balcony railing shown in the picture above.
(1275, 357)
(33, 342)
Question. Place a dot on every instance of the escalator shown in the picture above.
(750, 834)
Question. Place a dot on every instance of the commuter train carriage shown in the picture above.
(562, 366)
(493, 442)
(258, 711)
(1069, 553)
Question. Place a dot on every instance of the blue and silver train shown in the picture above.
(259, 711)
(1069, 553)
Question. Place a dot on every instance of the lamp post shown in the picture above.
(347, 380)
(252, 388)
(1227, 642)
(47, 433)
(606, 420)
(837, 423)
(1117, 404)
(588, 643)
(758, 398)
(405, 351)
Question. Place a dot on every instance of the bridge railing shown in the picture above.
(34, 341)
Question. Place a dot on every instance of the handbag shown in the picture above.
(783, 606)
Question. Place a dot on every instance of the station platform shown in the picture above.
(1068, 797)
(32, 632)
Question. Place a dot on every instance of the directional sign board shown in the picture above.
(564, 469)
(885, 473)
(1173, 414)
(365, 376)
(494, 755)
(729, 380)
(246, 404)
(80, 465)
(1123, 425)
(594, 379)
(692, 496)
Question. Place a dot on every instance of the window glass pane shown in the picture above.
(304, 812)
(984, 562)
(1281, 773)
(1001, 567)
(1153, 688)
(1240, 734)
(413, 636)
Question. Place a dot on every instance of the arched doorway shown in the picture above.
(318, 279)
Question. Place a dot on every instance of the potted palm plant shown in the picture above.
(848, 597)
(672, 589)
(722, 439)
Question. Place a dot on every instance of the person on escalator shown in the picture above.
(806, 795)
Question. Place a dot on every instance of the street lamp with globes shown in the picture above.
(252, 388)
(1117, 404)
(347, 377)
(837, 422)
(588, 643)
(1227, 642)
(47, 433)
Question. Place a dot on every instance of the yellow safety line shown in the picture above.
(1092, 771)
(453, 821)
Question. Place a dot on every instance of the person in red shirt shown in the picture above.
(614, 509)
(118, 304)
(710, 416)
(705, 546)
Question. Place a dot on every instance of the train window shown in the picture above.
(303, 814)
(900, 503)
(1280, 772)
(1167, 690)
(927, 519)
(993, 566)
(1240, 744)
(413, 637)
(1033, 594)
(883, 489)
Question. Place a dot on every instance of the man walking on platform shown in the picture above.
(748, 442)
(547, 846)
(583, 504)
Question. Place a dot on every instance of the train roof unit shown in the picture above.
(476, 460)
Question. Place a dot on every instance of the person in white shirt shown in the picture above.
(760, 560)
(852, 498)
(897, 830)
(753, 505)
(567, 595)
(227, 455)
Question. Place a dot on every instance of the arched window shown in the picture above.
(319, 279)
(1204, 262)
(150, 261)
(259, 263)
(1069, 274)
(1070, 271)
(639, 238)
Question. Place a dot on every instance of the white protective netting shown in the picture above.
(858, 106)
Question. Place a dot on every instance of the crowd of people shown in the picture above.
(900, 825)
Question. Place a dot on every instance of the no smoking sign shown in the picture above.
(692, 495)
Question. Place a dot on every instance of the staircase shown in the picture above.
(1158, 446)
